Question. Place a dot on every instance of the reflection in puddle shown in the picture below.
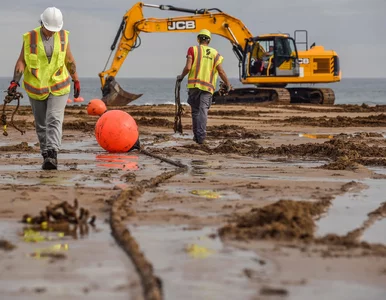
(193, 265)
(54, 232)
(54, 251)
(118, 161)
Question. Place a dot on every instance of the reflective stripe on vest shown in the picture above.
(33, 46)
(54, 75)
(62, 36)
(35, 90)
(214, 66)
(61, 85)
(203, 74)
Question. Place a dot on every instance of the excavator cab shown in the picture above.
(271, 55)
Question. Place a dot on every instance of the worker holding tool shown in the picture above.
(48, 65)
(203, 64)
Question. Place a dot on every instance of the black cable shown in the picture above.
(178, 108)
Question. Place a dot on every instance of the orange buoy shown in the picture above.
(96, 107)
(116, 131)
(79, 99)
(69, 100)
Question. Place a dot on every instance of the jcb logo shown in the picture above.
(303, 61)
(181, 25)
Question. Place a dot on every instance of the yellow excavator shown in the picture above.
(268, 62)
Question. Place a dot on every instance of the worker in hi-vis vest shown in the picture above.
(203, 64)
(48, 66)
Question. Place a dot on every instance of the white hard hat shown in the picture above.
(52, 19)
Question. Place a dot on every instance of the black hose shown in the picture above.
(121, 27)
(178, 108)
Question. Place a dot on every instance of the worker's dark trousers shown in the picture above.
(199, 102)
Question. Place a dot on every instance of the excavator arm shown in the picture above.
(133, 23)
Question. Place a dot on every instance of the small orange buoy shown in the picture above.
(96, 107)
(79, 99)
(116, 131)
(69, 100)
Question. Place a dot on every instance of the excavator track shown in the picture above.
(254, 95)
(324, 96)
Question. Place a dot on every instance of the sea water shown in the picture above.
(156, 91)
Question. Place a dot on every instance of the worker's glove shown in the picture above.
(76, 88)
(224, 89)
(179, 78)
(12, 87)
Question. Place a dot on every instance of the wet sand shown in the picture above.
(282, 202)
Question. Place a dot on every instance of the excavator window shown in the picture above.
(273, 56)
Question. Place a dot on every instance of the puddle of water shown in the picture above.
(117, 164)
(223, 195)
(281, 177)
(168, 144)
(86, 145)
(350, 210)
(376, 233)
(194, 266)
(337, 289)
(30, 266)
(297, 163)
(183, 137)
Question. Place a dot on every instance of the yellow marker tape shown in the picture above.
(196, 251)
(206, 193)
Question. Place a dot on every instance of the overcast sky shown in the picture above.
(355, 29)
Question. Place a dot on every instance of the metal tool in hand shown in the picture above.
(178, 108)
(8, 99)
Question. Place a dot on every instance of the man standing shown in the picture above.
(203, 64)
(48, 65)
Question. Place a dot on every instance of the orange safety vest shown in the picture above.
(203, 74)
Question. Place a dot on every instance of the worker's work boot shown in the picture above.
(50, 161)
(45, 155)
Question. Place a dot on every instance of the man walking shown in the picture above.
(48, 65)
(203, 64)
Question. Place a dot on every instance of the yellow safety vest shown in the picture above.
(203, 74)
(40, 77)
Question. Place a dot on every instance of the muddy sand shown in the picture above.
(282, 202)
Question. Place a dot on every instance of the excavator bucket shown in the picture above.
(114, 95)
